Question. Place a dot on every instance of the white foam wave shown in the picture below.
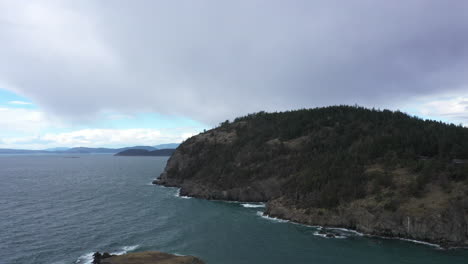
(409, 240)
(88, 257)
(85, 259)
(324, 235)
(412, 241)
(420, 242)
(125, 250)
(346, 230)
(319, 234)
(181, 196)
(253, 205)
(274, 219)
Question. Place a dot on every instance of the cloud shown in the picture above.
(19, 103)
(454, 109)
(14, 120)
(35, 129)
(96, 138)
(109, 137)
(212, 60)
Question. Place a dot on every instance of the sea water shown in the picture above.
(61, 209)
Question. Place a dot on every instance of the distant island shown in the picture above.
(85, 150)
(378, 172)
(144, 152)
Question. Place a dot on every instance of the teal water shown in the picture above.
(55, 209)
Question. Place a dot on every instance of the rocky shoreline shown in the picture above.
(401, 224)
(322, 176)
(353, 219)
(148, 257)
(356, 218)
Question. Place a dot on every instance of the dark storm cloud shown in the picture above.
(213, 60)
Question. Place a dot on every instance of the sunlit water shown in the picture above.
(56, 209)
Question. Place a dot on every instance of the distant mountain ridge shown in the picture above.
(144, 152)
(86, 150)
(105, 150)
(21, 151)
(167, 146)
(57, 149)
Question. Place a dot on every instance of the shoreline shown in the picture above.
(346, 229)
(438, 246)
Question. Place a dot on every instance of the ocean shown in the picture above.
(60, 209)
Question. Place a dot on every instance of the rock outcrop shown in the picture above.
(339, 166)
(442, 226)
(149, 257)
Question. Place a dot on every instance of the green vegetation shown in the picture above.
(333, 155)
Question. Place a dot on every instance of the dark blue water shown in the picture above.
(55, 209)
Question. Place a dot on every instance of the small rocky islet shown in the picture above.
(148, 257)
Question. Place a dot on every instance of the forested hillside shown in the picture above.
(324, 159)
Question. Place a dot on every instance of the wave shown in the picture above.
(125, 250)
(420, 242)
(346, 230)
(274, 219)
(410, 240)
(88, 257)
(181, 196)
(253, 205)
(278, 220)
(320, 229)
(85, 259)
(177, 193)
(325, 235)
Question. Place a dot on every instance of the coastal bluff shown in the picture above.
(379, 172)
(148, 257)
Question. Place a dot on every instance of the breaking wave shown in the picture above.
(274, 219)
(253, 205)
(88, 257)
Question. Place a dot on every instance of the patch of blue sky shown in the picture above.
(424, 108)
(147, 120)
(415, 111)
(110, 120)
(11, 99)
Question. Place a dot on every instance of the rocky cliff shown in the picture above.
(379, 172)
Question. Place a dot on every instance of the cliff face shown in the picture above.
(189, 169)
(444, 226)
(380, 173)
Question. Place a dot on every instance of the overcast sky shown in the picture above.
(148, 72)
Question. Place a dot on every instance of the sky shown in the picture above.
(119, 73)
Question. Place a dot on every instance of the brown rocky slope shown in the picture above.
(378, 172)
(148, 257)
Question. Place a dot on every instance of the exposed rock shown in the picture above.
(148, 257)
(440, 226)
(98, 257)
